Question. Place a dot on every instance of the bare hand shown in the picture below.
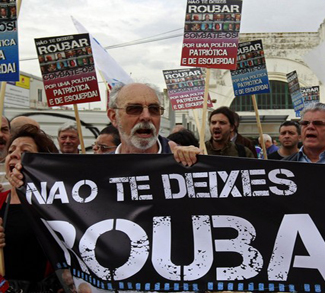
(187, 155)
(16, 177)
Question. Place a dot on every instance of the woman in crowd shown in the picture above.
(23, 255)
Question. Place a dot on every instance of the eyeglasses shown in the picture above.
(103, 148)
(136, 109)
(315, 123)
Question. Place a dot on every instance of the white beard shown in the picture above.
(134, 140)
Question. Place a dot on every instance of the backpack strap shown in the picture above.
(241, 150)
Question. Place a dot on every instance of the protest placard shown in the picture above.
(310, 95)
(294, 90)
(226, 223)
(211, 33)
(185, 88)
(250, 76)
(68, 69)
(9, 65)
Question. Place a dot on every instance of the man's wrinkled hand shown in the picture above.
(187, 155)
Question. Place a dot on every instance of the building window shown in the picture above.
(278, 98)
(39, 95)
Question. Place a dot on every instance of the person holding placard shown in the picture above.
(21, 244)
(312, 135)
(239, 139)
(68, 138)
(107, 140)
(135, 110)
(289, 137)
(270, 147)
(222, 123)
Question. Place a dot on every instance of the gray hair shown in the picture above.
(313, 107)
(68, 126)
(113, 96)
(266, 138)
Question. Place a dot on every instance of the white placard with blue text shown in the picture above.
(250, 76)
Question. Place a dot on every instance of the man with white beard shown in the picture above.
(135, 110)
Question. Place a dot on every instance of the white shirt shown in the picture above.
(117, 151)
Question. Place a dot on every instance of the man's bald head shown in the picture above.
(20, 121)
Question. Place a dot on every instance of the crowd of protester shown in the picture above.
(135, 113)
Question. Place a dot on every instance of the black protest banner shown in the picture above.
(144, 222)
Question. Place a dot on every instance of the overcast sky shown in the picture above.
(115, 22)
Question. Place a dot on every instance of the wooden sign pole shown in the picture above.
(106, 85)
(259, 125)
(2, 99)
(76, 113)
(204, 111)
(197, 122)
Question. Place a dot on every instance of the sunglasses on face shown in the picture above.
(136, 109)
(102, 148)
(315, 123)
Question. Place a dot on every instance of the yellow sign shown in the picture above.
(24, 82)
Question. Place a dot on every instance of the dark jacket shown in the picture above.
(165, 149)
(246, 142)
(294, 157)
(230, 150)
